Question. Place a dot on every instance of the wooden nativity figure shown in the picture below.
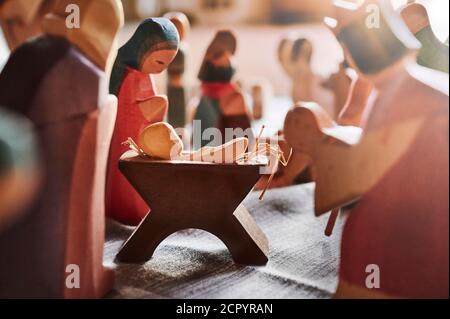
(433, 54)
(176, 86)
(339, 83)
(149, 51)
(59, 81)
(295, 57)
(222, 105)
(22, 19)
(352, 114)
(397, 168)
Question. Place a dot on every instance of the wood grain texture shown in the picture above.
(208, 197)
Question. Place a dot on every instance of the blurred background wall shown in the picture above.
(259, 26)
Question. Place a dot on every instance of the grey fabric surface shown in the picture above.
(195, 264)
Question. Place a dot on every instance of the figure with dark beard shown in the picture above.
(222, 105)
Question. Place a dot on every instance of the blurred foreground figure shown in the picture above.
(19, 167)
(56, 251)
(395, 242)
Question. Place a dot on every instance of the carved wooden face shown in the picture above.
(301, 52)
(224, 60)
(284, 52)
(22, 10)
(20, 19)
(157, 61)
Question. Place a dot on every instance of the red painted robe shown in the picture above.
(123, 203)
(401, 224)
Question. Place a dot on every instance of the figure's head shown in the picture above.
(21, 19)
(160, 140)
(152, 47)
(23, 11)
(181, 22)
(372, 34)
(301, 51)
(218, 64)
(99, 23)
(284, 51)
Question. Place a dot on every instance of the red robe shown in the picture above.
(401, 224)
(123, 203)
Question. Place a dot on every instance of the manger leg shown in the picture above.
(332, 222)
(246, 242)
(141, 245)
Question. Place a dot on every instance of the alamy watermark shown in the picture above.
(73, 276)
(73, 19)
(373, 277)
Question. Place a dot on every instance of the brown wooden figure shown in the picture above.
(260, 97)
(433, 53)
(222, 105)
(176, 88)
(19, 167)
(208, 197)
(149, 51)
(299, 168)
(57, 250)
(22, 19)
(397, 168)
(161, 141)
(352, 114)
(340, 83)
(295, 57)
(285, 55)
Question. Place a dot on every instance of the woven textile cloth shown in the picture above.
(303, 262)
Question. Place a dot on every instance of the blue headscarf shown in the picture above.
(152, 35)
